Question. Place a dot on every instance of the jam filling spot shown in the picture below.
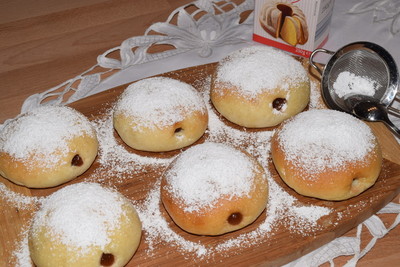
(107, 259)
(77, 160)
(355, 182)
(235, 218)
(179, 130)
(278, 103)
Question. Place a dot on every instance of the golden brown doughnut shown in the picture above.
(47, 146)
(84, 225)
(160, 114)
(326, 154)
(259, 86)
(212, 189)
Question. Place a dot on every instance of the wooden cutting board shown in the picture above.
(279, 246)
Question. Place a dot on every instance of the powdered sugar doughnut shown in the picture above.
(212, 189)
(160, 114)
(326, 154)
(84, 225)
(47, 147)
(259, 86)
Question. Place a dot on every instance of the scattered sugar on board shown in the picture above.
(157, 228)
(316, 101)
(343, 138)
(21, 255)
(114, 160)
(81, 215)
(159, 102)
(282, 208)
(197, 188)
(42, 132)
(300, 218)
(349, 210)
(257, 68)
(18, 200)
(349, 83)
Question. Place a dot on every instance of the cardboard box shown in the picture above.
(298, 27)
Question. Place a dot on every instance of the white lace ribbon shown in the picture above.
(382, 10)
(219, 25)
(346, 246)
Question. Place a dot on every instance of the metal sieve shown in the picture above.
(363, 59)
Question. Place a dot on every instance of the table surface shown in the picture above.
(43, 43)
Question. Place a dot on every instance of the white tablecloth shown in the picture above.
(345, 28)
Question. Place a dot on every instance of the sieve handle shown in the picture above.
(316, 51)
(392, 127)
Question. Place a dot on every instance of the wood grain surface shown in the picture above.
(274, 250)
(43, 43)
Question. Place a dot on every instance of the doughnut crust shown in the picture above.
(213, 201)
(259, 87)
(47, 147)
(341, 159)
(101, 237)
(160, 114)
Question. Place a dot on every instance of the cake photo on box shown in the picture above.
(282, 19)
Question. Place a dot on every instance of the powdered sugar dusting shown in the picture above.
(316, 101)
(81, 215)
(43, 131)
(114, 159)
(21, 255)
(157, 228)
(215, 170)
(283, 210)
(350, 83)
(159, 102)
(16, 199)
(322, 139)
(255, 69)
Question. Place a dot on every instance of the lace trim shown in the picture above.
(346, 246)
(198, 26)
(382, 10)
